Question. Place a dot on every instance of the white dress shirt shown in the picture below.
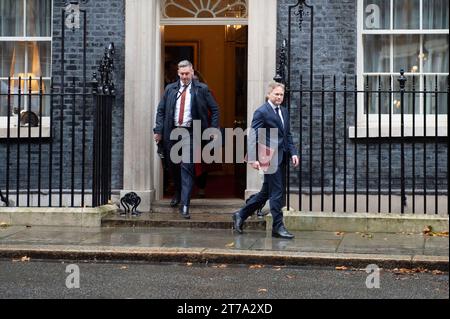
(280, 114)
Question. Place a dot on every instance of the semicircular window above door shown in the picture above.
(204, 9)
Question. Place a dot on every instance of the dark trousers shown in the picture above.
(272, 190)
(183, 173)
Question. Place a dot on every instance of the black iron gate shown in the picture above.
(353, 160)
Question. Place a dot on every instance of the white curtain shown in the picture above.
(377, 53)
(435, 14)
(11, 18)
(12, 58)
(406, 14)
(435, 49)
(406, 53)
(39, 18)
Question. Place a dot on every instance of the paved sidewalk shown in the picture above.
(224, 246)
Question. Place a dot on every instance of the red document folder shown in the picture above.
(265, 155)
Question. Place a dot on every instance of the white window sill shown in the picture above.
(396, 131)
(24, 130)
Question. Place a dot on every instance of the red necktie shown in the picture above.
(182, 104)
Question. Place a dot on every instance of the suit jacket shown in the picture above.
(202, 101)
(265, 118)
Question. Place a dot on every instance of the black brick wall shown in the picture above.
(335, 41)
(105, 24)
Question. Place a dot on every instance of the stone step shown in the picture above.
(210, 206)
(214, 220)
(205, 213)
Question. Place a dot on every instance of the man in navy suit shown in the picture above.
(266, 118)
(184, 102)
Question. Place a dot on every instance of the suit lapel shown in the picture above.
(285, 117)
(193, 97)
(274, 116)
(173, 99)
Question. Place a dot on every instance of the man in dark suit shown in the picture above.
(184, 102)
(266, 118)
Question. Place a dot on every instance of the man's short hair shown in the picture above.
(185, 64)
(273, 85)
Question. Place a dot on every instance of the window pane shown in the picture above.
(435, 14)
(375, 97)
(39, 18)
(24, 99)
(406, 14)
(11, 18)
(435, 53)
(3, 98)
(411, 101)
(39, 59)
(406, 53)
(35, 100)
(376, 14)
(431, 95)
(12, 58)
(376, 53)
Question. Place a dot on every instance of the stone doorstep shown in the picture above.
(65, 216)
(171, 218)
(371, 223)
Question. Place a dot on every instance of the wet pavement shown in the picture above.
(223, 245)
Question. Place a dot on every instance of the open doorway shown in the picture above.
(219, 53)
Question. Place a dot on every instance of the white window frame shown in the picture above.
(396, 118)
(45, 120)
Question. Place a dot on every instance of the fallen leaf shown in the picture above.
(440, 234)
(406, 271)
(220, 266)
(230, 245)
(262, 290)
(428, 231)
(340, 233)
(189, 264)
(23, 259)
(290, 276)
(341, 268)
(256, 266)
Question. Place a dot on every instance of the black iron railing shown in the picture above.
(370, 146)
(55, 149)
(104, 91)
(381, 148)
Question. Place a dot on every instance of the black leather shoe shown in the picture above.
(184, 211)
(175, 202)
(282, 233)
(238, 222)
